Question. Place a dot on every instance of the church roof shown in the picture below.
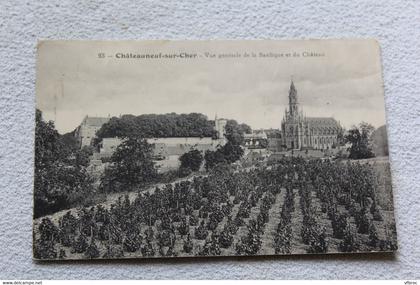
(95, 121)
(324, 122)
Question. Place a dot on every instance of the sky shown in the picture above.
(343, 80)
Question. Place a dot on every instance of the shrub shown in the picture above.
(225, 238)
(44, 249)
(201, 232)
(80, 245)
(191, 160)
(349, 243)
(188, 244)
(132, 241)
(92, 251)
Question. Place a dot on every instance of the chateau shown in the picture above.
(86, 132)
(301, 132)
(166, 150)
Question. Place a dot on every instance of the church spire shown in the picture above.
(293, 100)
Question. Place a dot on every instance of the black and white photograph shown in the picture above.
(155, 149)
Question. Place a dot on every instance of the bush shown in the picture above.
(166, 238)
(225, 238)
(211, 248)
(80, 245)
(191, 160)
(147, 250)
(201, 232)
(363, 222)
(44, 249)
(251, 244)
(68, 223)
(318, 242)
(132, 241)
(48, 231)
(339, 225)
(188, 244)
(373, 236)
(349, 243)
(92, 251)
(183, 228)
(184, 172)
(193, 220)
(282, 240)
(113, 251)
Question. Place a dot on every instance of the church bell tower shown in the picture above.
(292, 125)
(293, 101)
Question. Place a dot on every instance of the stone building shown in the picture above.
(256, 140)
(86, 132)
(301, 132)
(166, 151)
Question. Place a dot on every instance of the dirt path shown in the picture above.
(270, 231)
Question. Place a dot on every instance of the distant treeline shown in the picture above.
(162, 125)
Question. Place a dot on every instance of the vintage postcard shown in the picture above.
(148, 149)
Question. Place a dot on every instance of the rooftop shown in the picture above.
(95, 121)
(322, 121)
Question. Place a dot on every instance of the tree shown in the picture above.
(232, 152)
(359, 138)
(69, 141)
(132, 164)
(213, 158)
(191, 160)
(235, 132)
(82, 156)
(226, 154)
(61, 180)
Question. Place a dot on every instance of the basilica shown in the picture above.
(300, 132)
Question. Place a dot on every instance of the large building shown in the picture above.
(86, 132)
(301, 132)
(256, 140)
(166, 150)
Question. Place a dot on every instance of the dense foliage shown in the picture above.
(227, 154)
(191, 160)
(158, 125)
(359, 138)
(235, 132)
(61, 179)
